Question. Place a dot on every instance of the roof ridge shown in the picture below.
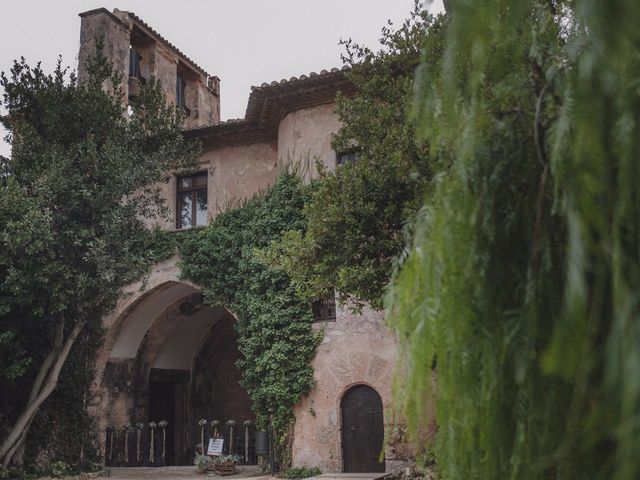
(302, 77)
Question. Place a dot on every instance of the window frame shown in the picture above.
(134, 63)
(325, 310)
(347, 156)
(181, 93)
(193, 191)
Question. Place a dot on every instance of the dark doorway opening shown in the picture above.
(362, 430)
(216, 393)
(162, 406)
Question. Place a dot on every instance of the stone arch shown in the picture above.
(162, 275)
(145, 367)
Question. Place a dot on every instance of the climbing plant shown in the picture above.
(275, 336)
(517, 305)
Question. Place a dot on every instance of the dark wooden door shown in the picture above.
(162, 406)
(362, 430)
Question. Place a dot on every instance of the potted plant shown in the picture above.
(225, 464)
(201, 462)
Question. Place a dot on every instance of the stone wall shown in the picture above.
(234, 174)
(304, 137)
(356, 349)
(102, 24)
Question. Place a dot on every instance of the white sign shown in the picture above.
(215, 446)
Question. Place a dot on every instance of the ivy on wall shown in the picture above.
(275, 336)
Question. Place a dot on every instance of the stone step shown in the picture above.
(354, 476)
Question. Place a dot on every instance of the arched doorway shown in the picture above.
(362, 430)
(169, 357)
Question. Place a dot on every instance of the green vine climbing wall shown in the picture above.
(275, 336)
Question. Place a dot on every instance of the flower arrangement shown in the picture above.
(231, 424)
(226, 464)
(247, 424)
(202, 423)
(235, 459)
(163, 424)
(214, 425)
(152, 456)
(127, 427)
(111, 429)
(201, 462)
(139, 427)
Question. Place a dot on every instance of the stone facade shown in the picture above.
(124, 34)
(160, 331)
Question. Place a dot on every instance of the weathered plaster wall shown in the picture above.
(234, 174)
(237, 173)
(116, 35)
(304, 136)
(356, 349)
(106, 405)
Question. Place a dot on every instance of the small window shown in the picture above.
(192, 200)
(181, 94)
(325, 310)
(346, 157)
(134, 63)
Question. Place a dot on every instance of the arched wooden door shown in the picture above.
(362, 430)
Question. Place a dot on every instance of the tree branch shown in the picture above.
(32, 408)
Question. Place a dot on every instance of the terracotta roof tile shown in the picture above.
(269, 102)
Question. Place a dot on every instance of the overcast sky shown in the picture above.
(244, 42)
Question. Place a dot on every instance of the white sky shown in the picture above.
(244, 42)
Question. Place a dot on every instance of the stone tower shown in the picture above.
(138, 53)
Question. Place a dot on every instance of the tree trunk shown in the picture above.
(44, 384)
(58, 336)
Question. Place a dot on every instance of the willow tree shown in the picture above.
(82, 178)
(518, 304)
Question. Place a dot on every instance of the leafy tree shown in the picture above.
(521, 287)
(357, 213)
(82, 179)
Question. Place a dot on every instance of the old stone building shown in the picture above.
(166, 355)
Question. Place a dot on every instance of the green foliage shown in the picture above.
(274, 329)
(74, 197)
(301, 472)
(13, 358)
(357, 213)
(60, 469)
(64, 416)
(519, 297)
